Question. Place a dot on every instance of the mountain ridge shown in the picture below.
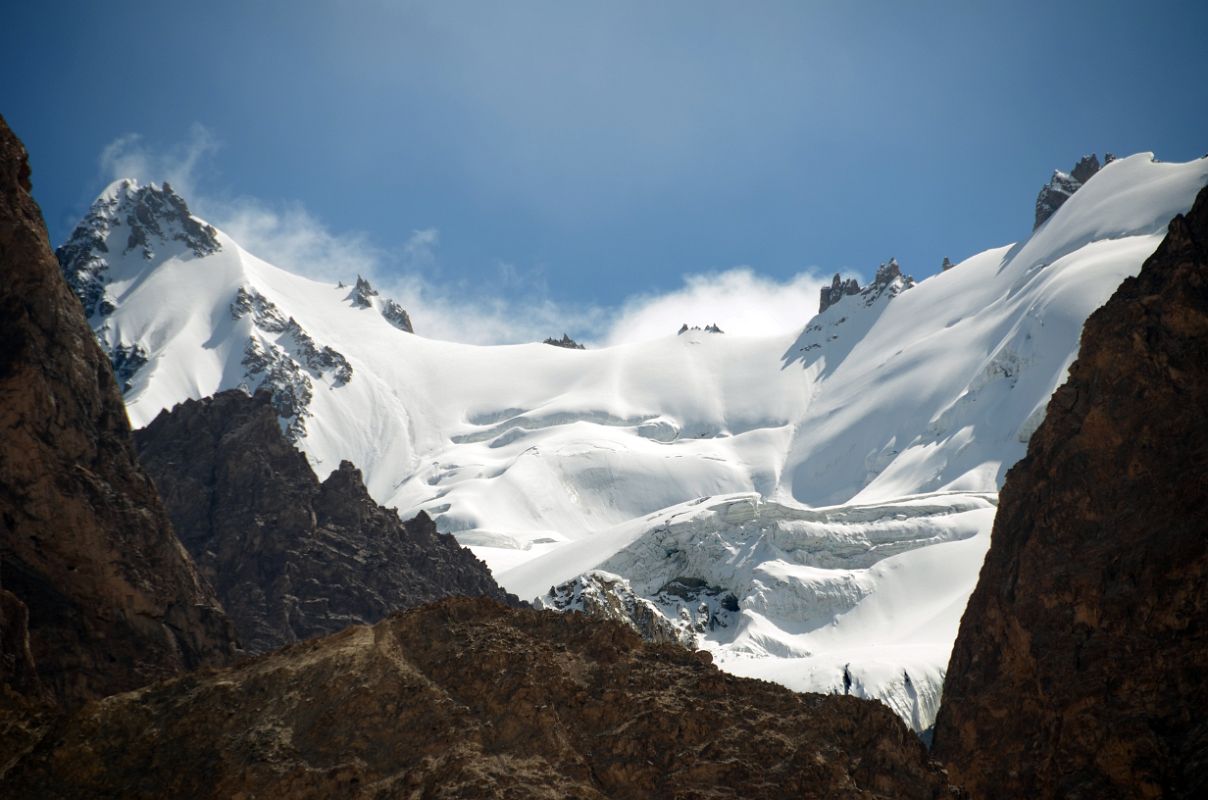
(538, 457)
(291, 557)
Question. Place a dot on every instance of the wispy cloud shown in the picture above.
(419, 251)
(128, 156)
(513, 307)
(737, 300)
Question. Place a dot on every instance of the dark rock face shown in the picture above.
(837, 291)
(111, 600)
(291, 557)
(565, 341)
(1062, 186)
(467, 698)
(888, 281)
(1080, 666)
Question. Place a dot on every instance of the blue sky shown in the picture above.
(576, 155)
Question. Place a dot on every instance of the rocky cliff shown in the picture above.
(96, 594)
(1080, 668)
(291, 557)
(1062, 185)
(467, 698)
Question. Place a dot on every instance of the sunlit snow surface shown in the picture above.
(849, 469)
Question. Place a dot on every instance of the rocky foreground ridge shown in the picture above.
(1080, 666)
(292, 557)
(467, 698)
(96, 594)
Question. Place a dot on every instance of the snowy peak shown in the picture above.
(127, 218)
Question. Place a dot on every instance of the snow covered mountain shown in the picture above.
(812, 507)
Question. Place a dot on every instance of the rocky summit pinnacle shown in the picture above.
(565, 341)
(361, 293)
(362, 296)
(837, 290)
(1062, 185)
(888, 281)
(149, 220)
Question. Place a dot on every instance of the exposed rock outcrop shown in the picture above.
(362, 293)
(565, 341)
(467, 698)
(282, 358)
(111, 600)
(397, 316)
(838, 289)
(888, 281)
(1079, 669)
(603, 595)
(678, 612)
(362, 296)
(291, 557)
(710, 328)
(1062, 185)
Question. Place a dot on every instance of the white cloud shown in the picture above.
(737, 300)
(128, 157)
(293, 239)
(513, 307)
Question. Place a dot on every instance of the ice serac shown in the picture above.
(291, 557)
(1079, 669)
(111, 600)
(467, 698)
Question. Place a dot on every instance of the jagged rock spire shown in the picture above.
(838, 289)
(1062, 186)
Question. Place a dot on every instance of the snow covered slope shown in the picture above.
(868, 444)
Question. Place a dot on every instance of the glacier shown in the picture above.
(838, 480)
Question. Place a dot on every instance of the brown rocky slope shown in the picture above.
(1081, 666)
(468, 698)
(96, 593)
(291, 557)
